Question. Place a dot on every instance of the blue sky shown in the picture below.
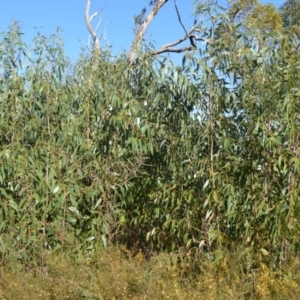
(117, 20)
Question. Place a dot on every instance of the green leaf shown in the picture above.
(264, 252)
(14, 205)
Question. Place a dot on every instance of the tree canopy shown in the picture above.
(290, 13)
(138, 150)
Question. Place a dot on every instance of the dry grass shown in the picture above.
(117, 274)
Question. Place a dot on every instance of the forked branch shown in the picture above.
(88, 20)
(145, 24)
(168, 47)
(142, 30)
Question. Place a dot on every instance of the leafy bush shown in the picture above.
(151, 155)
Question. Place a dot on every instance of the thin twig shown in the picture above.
(191, 38)
(179, 18)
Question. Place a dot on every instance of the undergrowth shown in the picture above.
(121, 274)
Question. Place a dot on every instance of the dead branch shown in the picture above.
(174, 50)
(179, 18)
(88, 20)
(191, 38)
(145, 24)
(168, 47)
(180, 40)
(142, 30)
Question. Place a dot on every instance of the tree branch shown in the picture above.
(142, 30)
(88, 20)
(174, 50)
(168, 47)
(191, 38)
(179, 18)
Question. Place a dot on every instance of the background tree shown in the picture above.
(251, 13)
(290, 12)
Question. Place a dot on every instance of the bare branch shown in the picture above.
(168, 47)
(84, 44)
(93, 16)
(179, 18)
(104, 34)
(191, 38)
(180, 40)
(88, 20)
(142, 30)
(174, 50)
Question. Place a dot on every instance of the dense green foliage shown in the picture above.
(151, 155)
(290, 13)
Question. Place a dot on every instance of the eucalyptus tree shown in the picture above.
(289, 11)
(207, 135)
(201, 155)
